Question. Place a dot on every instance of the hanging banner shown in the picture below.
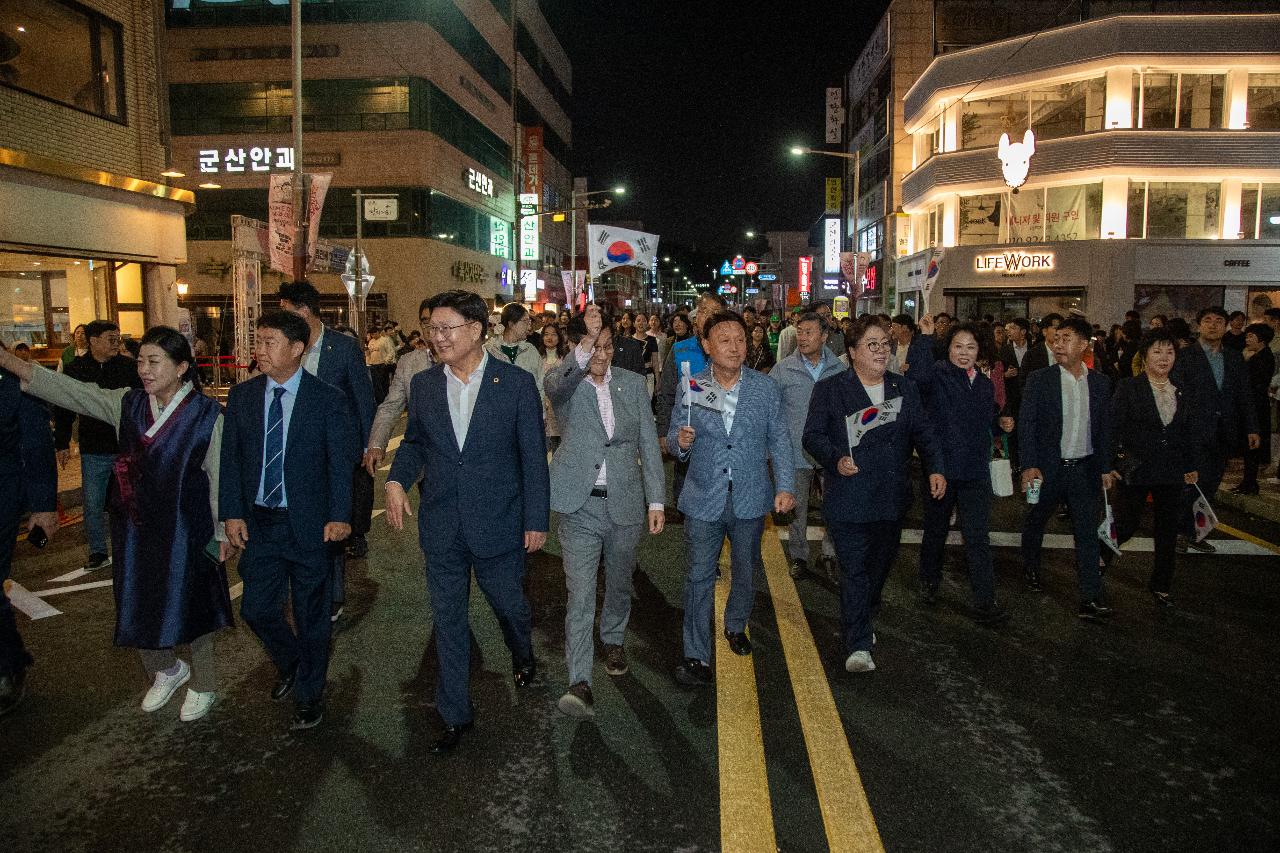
(532, 156)
(1024, 217)
(834, 195)
(1066, 213)
(280, 218)
(246, 298)
(835, 114)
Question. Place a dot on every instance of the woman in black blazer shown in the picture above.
(1157, 450)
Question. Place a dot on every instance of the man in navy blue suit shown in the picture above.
(336, 358)
(1066, 435)
(475, 440)
(285, 494)
(28, 480)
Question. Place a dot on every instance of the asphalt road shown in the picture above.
(1156, 732)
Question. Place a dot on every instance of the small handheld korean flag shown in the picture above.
(1107, 529)
(697, 394)
(1203, 515)
(863, 421)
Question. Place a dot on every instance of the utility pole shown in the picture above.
(301, 198)
(517, 222)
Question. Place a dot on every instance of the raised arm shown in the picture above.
(104, 404)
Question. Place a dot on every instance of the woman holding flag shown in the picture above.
(861, 428)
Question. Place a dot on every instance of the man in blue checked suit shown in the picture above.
(728, 432)
(285, 494)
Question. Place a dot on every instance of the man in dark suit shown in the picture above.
(1217, 380)
(28, 480)
(285, 495)
(1066, 434)
(475, 439)
(1018, 345)
(336, 358)
(1040, 353)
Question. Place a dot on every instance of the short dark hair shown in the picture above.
(1179, 328)
(1050, 318)
(1022, 323)
(21, 346)
(424, 305)
(1132, 315)
(301, 293)
(714, 297)
(1132, 329)
(513, 312)
(1272, 312)
(293, 327)
(905, 320)
(943, 314)
(1211, 311)
(957, 328)
(1263, 332)
(857, 331)
(466, 303)
(98, 328)
(813, 317)
(1235, 314)
(1163, 335)
(177, 348)
(1079, 325)
(723, 317)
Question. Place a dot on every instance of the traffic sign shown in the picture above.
(752, 268)
(725, 269)
(739, 262)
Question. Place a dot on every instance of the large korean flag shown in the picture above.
(619, 247)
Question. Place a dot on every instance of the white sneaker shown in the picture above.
(196, 705)
(859, 662)
(164, 687)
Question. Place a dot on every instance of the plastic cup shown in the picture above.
(1033, 491)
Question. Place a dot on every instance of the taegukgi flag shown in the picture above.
(863, 421)
(609, 247)
(699, 393)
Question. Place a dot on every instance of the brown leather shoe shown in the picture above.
(577, 702)
(615, 660)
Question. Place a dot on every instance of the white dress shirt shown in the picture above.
(604, 400)
(1076, 441)
(462, 397)
(311, 360)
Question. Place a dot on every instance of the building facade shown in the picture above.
(406, 99)
(1149, 150)
(87, 229)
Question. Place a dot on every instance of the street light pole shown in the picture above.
(301, 198)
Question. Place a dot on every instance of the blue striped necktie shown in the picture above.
(273, 452)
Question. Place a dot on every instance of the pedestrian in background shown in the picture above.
(867, 486)
(759, 356)
(553, 345)
(170, 581)
(397, 400)
(79, 346)
(606, 483)
(103, 366)
(961, 404)
(1234, 336)
(513, 346)
(1260, 363)
(1157, 449)
(728, 436)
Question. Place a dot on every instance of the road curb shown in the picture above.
(1262, 507)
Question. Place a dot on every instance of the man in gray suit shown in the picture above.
(600, 491)
(728, 429)
(796, 375)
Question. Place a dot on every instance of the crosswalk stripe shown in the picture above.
(70, 576)
(746, 814)
(846, 814)
(29, 603)
(1250, 546)
(79, 587)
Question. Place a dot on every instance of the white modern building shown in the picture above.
(1153, 180)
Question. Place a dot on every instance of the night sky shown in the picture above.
(695, 104)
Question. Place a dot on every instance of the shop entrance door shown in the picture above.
(1001, 306)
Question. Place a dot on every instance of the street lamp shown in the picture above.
(574, 195)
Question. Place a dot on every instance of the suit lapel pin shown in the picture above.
(495, 380)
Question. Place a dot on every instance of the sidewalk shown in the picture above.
(1266, 504)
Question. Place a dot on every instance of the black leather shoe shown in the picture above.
(798, 568)
(1033, 582)
(450, 738)
(1094, 611)
(12, 690)
(739, 643)
(307, 716)
(284, 687)
(693, 673)
(357, 546)
(1204, 546)
(525, 674)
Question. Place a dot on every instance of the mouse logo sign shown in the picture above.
(1015, 158)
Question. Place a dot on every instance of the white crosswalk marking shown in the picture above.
(29, 603)
(1064, 541)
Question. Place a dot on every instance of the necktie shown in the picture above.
(273, 452)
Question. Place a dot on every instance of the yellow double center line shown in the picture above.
(746, 816)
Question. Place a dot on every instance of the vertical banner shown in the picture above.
(1065, 215)
(835, 114)
(849, 270)
(805, 276)
(1024, 219)
(529, 250)
(834, 194)
(531, 148)
(247, 304)
(280, 218)
(831, 245)
(319, 188)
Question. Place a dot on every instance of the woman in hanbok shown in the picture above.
(170, 578)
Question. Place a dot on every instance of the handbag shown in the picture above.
(1001, 470)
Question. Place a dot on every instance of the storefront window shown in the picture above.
(982, 122)
(1260, 212)
(43, 298)
(1053, 112)
(1264, 101)
(65, 53)
(1168, 99)
(980, 219)
(1177, 210)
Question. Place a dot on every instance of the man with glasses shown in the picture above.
(475, 439)
(397, 401)
(103, 366)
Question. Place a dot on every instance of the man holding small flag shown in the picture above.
(728, 425)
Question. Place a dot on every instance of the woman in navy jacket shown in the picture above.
(1158, 449)
(961, 405)
(867, 485)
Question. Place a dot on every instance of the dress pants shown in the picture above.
(866, 551)
(705, 538)
(1082, 492)
(1166, 504)
(501, 579)
(13, 656)
(583, 536)
(798, 531)
(1210, 478)
(96, 470)
(361, 520)
(273, 562)
(971, 499)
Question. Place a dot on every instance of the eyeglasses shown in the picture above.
(444, 331)
(877, 346)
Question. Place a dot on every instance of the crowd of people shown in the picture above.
(758, 416)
